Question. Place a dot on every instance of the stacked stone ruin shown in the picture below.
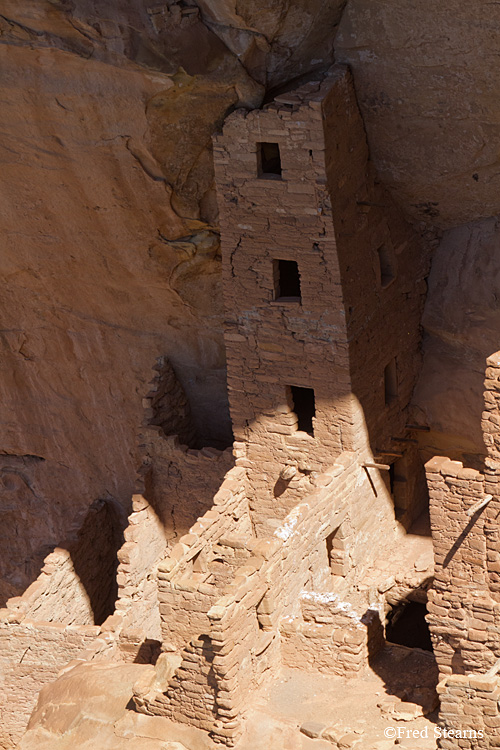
(319, 275)
(464, 602)
(323, 291)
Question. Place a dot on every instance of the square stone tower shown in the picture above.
(323, 289)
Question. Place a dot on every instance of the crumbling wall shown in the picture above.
(58, 617)
(274, 343)
(355, 310)
(461, 608)
(245, 622)
(58, 594)
(137, 604)
(40, 632)
(470, 712)
(31, 655)
(180, 482)
(464, 601)
(330, 636)
(166, 405)
(223, 594)
(190, 581)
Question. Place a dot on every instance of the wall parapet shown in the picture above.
(479, 725)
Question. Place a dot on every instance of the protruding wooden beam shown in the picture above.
(397, 454)
(479, 504)
(382, 467)
(418, 427)
(493, 670)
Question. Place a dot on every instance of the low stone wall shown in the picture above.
(190, 581)
(57, 595)
(463, 604)
(145, 545)
(225, 593)
(43, 630)
(330, 637)
(470, 715)
(180, 482)
(39, 634)
(245, 621)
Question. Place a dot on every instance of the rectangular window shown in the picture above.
(391, 382)
(304, 408)
(387, 265)
(286, 281)
(269, 161)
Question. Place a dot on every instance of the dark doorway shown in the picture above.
(304, 408)
(386, 261)
(269, 161)
(286, 281)
(391, 382)
(407, 626)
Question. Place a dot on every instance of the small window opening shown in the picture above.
(390, 382)
(336, 553)
(386, 261)
(286, 281)
(269, 161)
(304, 408)
(406, 625)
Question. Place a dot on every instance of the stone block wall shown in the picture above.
(190, 580)
(464, 602)
(52, 623)
(48, 626)
(245, 622)
(166, 405)
(271, 343)
(223, 593)
(490, 423)
(57, 595)
(330, 637)
(383, 263)
(180, 482)
(144, 547)
(324, 213)
(31, 655)
(461, 610)
(470, 713)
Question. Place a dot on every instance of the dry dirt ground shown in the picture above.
(89, 707)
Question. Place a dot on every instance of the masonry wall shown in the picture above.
(190, 581)
(383, 263)
(329, 637)
(272, 344)
(464, 602)
(325, 213)
(31, 655)
(57, 595)
(40, 632)
(144, 547)
(180, 482)
(461, 610)
(246, 620)
(469, 715)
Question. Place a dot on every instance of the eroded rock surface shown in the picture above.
(429, 101)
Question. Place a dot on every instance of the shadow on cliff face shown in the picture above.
(25, 537)
(92, 549)
(461, 322)
(94, 556)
